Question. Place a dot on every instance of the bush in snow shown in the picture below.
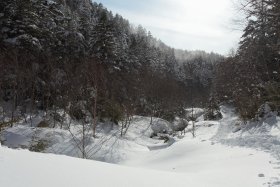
(213, 110)
(272, 95)
(266, 110)
(77, 111)
(212, 115)
(38, 146)
(43, 124)
(112, 111)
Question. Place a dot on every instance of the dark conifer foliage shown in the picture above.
(251, 77)
(77, 56)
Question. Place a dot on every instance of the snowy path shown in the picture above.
(226, 124)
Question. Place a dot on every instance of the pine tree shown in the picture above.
(103, 43)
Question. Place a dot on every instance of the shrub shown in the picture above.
(213, 110)
(112, 111)
(77, 111)
(272, 95)
(43, 124)
(213, 115)
(39, 146)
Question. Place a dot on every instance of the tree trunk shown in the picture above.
(95, 113)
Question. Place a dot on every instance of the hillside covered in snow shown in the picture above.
(89, 99)
(223, 153)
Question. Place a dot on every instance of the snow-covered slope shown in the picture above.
(215, 164)
(223, 153)
(109, 146)
(202, 167)
(263, 134)
(21, 168)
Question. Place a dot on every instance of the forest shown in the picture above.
(80, 58)
(79, 80)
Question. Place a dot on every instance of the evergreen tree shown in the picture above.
(103, 43)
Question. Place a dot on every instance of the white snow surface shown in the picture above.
(107, 147)
(21, 168)
(195, 112)
(224, 153)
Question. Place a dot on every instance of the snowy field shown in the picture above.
(21, 168)
(223, 154)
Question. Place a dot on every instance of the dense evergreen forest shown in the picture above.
(78, 56)
(77, 80)
(250, 78)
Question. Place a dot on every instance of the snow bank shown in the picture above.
(197, 112)
(218, 156)
(227, 164)
(27, 169)
(262, 134)
(109, 146)
(215, 165)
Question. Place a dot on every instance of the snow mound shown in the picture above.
(196, 112)
(109, 146)
(57, 171)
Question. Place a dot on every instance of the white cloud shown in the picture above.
(185, 24)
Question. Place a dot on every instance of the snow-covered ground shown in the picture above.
(216, 165)
(20, 168)
(109, 146)
(223, 153)
(220, 157)
(261, 135)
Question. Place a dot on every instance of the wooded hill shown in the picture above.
(251, 77)
(77, 56)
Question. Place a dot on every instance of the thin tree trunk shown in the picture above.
(32, 104)
(193, 129)
(83, 143)
(95, 112)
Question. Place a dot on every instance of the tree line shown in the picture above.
(80, 57)
(250, 78)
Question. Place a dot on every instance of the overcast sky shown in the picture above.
(183, 24)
